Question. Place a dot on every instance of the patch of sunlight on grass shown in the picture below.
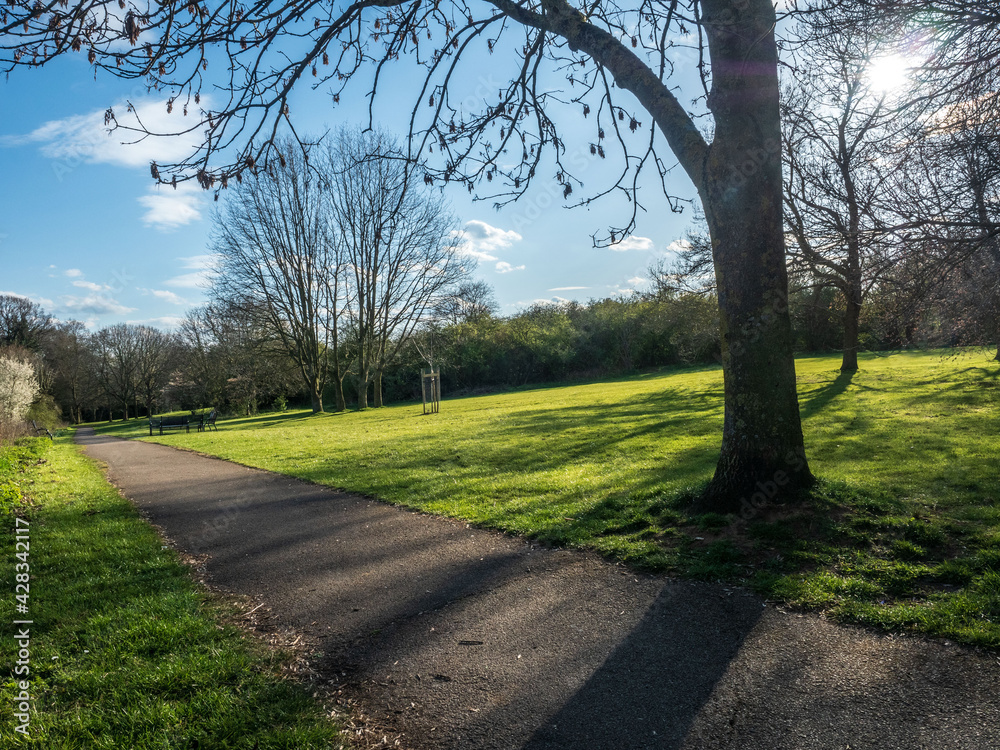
(904, 447)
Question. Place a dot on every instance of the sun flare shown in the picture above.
(889, 73)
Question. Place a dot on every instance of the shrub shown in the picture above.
(13, 459)
(45, 412)
(18, 387)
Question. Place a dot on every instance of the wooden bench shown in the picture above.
(170, 423)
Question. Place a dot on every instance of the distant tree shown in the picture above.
(691, 269)
(471, 301)
(157, 358)
(273, 236)
(234, 357)
(116, 356)
(22, 322)
(458, 315)
(817, 316)
(840, 136)
(616, 331)
(204, 376)
(950, 193)
(134, 364)
(394, 236)
(68, 349)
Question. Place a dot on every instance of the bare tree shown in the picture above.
(22, 322)
(134, 364)
(614, 57)
(273, 237)
(958, 41)
(68, 349)
(156, 358)
(470, 302)
(203, 373)
(117, 365)
(954, 183)
(240, 357)
(691, 271)
(841, 135)
(396, 238)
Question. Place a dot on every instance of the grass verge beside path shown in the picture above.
(902, 533)
(125, 650)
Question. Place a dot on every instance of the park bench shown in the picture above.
(40, 430)
(201, 421)
(170, 423)
(207, 421)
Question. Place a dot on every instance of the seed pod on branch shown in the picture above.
(133, 27)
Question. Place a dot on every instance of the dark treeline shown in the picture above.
(226, 356)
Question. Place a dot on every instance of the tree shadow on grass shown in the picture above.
(511, 479)
(269, 420)
(823, 396)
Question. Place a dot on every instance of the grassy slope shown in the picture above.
(904, 531)
(125, 651)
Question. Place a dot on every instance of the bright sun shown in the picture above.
(887, 74)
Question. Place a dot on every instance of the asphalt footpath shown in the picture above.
(453, 637)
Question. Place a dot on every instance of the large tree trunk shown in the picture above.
(316, 395)
(338, 389)
(852, 318)
(362, 393)
(762, 447)
(762, 457)
(377, 394)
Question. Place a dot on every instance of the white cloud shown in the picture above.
(170, 297)
(86, 138)
(202, 267)
(95, 304)
(91, 286)
(633, 243)
(72, 272)
(45, 302)
(568, 288)
(480, 240)
(551, 301)
(206, 261)
(188, 281)
(679, 246)
(505, 267)
(637, 280)
(168, 208)
(164, 321)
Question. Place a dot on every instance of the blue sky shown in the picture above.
(86, 233)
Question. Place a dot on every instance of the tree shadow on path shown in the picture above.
(650, 689)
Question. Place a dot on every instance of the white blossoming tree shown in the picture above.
(18, 388)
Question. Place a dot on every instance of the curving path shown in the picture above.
(461, 638)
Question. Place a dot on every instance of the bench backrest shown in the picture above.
(166, 421)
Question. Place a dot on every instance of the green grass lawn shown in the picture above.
(903, 531)
(125, 650)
